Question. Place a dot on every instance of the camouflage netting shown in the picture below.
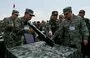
(41, 50)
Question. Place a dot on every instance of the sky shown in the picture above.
(43, 8)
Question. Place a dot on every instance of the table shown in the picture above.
(42, 50)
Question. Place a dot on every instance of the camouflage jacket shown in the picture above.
(52, 25)
(11, 35)
(87, 23)
(71, 32)
(24, 22)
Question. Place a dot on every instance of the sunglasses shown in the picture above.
(60, 17)
(55, 15)
(81, 12)
(31, 15)
(16, 14)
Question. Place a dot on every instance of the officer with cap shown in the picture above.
(54, 15)
(28, 14)
(15, 12)
(29, 34)
(53, 24)
(67, 12)
(85, 49)
(71, 30)
(10, 26)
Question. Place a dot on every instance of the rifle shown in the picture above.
(41, 35)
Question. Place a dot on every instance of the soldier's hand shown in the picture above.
(31, 30)
(85, 42)
(50, 33)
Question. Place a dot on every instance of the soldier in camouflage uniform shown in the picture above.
(85, 49)
(11, 27)
(27, 29)
(61, 18)
(82, 14)
(43, 24)
(53, 24)
(71, 31)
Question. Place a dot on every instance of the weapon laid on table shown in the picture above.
(42, 36)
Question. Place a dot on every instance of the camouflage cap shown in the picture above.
(82, 11)
(30, 12)
(67, 9)
(54, 12)
(15, 12)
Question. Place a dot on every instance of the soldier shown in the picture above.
(85, 49)
(29, 34)
(10, 28)
(61, 18)
(71, 31)
(43, 23)
(82, 14)
(53, 24)
(39, 26)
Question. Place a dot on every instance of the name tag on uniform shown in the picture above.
(72, 28)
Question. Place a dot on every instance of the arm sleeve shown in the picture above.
(84, 29)
(58, 32)
(4, 24)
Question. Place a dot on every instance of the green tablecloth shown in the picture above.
(41, 50)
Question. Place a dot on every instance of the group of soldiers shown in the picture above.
(72, 30)
(69, 30)
(12, 29)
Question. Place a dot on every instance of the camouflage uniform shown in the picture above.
(85, 49)
(87, 23)
(82, 14)
(11, 36)
(72, 31)
(61, 18)
(53, 24)
(24, 25)
(11, 28)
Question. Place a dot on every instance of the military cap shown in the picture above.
(54, 12)
(30, 12)
(67, 9)
(15, 12)
(81, 11)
